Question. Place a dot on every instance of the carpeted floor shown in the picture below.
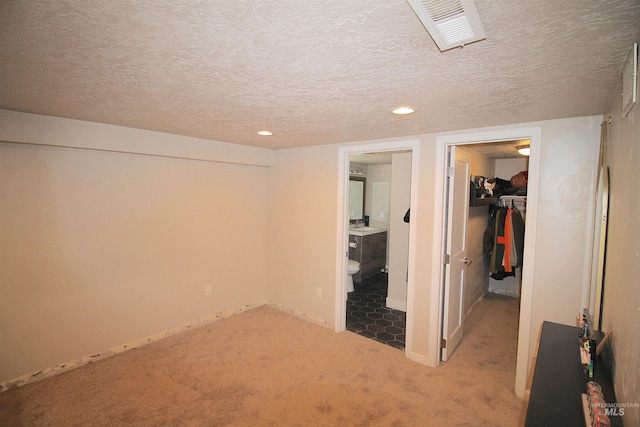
(267, 368)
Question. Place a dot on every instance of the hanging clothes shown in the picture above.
(507, 241)
(517, 222)
(508, 227)
(498, 241)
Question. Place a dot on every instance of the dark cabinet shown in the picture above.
(559, 379)
(370, 252)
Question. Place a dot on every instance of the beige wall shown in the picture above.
(399, 231)
(302, 236)
(476, 273)
(99, 249)
(621, 312)
(301, 231)
(569, 159)
(307, 243)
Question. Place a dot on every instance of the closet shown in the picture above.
(489, 161)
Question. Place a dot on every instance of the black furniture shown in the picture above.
(559, 379)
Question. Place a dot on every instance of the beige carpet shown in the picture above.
(267, 368)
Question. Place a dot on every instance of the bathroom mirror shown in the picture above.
(356, 198)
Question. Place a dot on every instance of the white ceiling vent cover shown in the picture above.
(451, 23)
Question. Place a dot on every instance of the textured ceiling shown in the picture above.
(313, 72)
(493, 150)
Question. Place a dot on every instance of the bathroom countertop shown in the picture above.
(366, 231)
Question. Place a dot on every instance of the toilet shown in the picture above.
(352, 268)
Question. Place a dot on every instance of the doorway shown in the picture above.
(482, 201)
(378, 245)
(410, 147)
(525, 337)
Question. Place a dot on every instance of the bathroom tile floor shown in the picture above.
(368, 316)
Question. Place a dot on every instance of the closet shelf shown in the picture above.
(479, 201)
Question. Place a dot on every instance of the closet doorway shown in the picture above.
(486, 207)
(491, 141)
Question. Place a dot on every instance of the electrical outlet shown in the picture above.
(207, 290)
(319, 292)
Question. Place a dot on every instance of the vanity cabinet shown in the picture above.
(370, 252)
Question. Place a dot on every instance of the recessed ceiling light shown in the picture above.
(403, 110)
(265, 133)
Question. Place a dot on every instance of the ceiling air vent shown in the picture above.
(451, 23)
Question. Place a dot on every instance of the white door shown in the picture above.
(456, 250)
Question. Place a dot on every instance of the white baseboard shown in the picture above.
(419, 358)
(76, 363)
(303, 316)
(478, 301)
(504, 292)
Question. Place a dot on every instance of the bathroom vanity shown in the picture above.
(370, 250)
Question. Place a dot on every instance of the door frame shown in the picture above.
(342, 248)
(534, 134)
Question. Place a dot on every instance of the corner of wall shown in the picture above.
(132, 345)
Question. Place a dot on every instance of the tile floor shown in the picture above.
(368, 316)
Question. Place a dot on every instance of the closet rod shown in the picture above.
(506, 199)
(513, 197)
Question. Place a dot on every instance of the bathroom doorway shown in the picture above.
(379, 245)
(383, 212)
